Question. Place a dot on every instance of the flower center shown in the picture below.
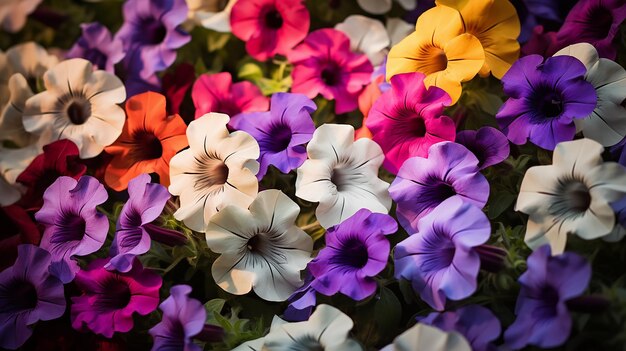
(72, 227)
(438, 252)
(331, 75)
(599, 22)
(254, 243)
(549, 298)
(146, 146)
(151, 31)
(273, 19)
(342, 178)
(436, 191)
(353, 253)
(573, 199)
(306, 343)
(418, 127)
(280, 137)
(19, 295)
(436, 61)
(115, 295)
(213, 174)
(78, 111)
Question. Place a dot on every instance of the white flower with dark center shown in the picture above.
(342, 175)
(607, 123)
(12, 163)
(211, 14)
(572, 196)
(368, 36)
(398, 29)
(326, 330)
(425, 337)
(79, 104)
(217, 170)
(379, 7)
(13, 13)
(261, 248)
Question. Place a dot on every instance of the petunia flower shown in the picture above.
(151, 34)
(269, 27)
(422, 184)
(476, 323)
(11, 125)
(440, 258)
(98, 47)
(176, 84)
(571, 196)
(281, 132)
(606, 124)
(145, 203)
(73, 225)
(211, 14)
(324, 64)
(619, 231)
(327, 329)
(302, 301)
(342, 175)
(379, 7)
(12, 163)
(78, 104)
(531, 13)
(110, 299)
(148, 142)
(17, 228)
(406, 120)
(545, 97)
(426, 337)
(217, 93)
(488, 144)
(28, 294)
(356, 251)
(59, 158)
(549, 282)
(13, 13)
(217, 170)
(367, 36)
(261, 248)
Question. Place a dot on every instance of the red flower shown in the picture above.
(17, 228)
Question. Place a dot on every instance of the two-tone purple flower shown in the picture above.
(488, 144)
(98, 47)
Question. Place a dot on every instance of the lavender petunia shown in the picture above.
(549, 282)
(145, 203)
(73, 225)
(302, 301)
(28, 294)
(280, 132)
(450, 171)
(356, 251)
(97, 46)
(441, 259)
(488, 144)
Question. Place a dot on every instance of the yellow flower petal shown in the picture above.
(447, 82)
(465, 57)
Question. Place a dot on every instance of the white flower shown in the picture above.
(327, 329)
(425, 337)
(572, 196)
(217, 170)
(11, 125)
(379, 7)
(79, 104)
(607, 123)
(30, 60)
(398, 29)
(342, 175)
(367, 36)
(211, 14)
(261, 248)
(12, 163)
(13, 13)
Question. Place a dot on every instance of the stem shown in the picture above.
(310, 226)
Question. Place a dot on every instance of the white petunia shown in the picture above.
(30, 60)
(11, 124)
(367, 36)
(261, 248)
(12, 163)
(79, 104)
(607, 123)
(211, 14)
(327, 329)
(572, 196)
(379, 7)
(342, 175)
(426, 337)
(217, 170)
(13, 13)
(398, 29)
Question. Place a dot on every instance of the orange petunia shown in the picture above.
(148, 141)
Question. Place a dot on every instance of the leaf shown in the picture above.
(217, 40)
(387, 311)
(212, 307)
(500, 203)
(250, 71)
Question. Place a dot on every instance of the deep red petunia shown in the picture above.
(17, 228)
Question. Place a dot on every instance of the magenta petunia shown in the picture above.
(488, 144)
(73, 225)
(109, 299)
(324, 64)
(269, 27)
(406, 120)
(98, 47)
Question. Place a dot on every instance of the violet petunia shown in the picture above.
(488, 144)
(440, 259)
(73, 225)
(281, 132)
(28, 294)
(97, 46)
(145, 203)
(545, 97)
(109, 299)
(302, 301)
(549, 282)
(356, 251)
(532, 12)
(422, 184)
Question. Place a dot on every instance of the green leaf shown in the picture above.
(387, 311)
(250, 71)
(217, 40)
(499, 203)
(212, 307)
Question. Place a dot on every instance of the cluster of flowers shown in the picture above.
(104, 123)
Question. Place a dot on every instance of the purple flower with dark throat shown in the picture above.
(356, 251)
(544, 100)
(488, 144)
(281, 132)
(145, 203)
(28, 294)
(450, 170)
(97, 46)
(549, 282)
(73, 226)
(440, 259)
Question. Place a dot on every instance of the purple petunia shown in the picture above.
(618, 152)
(543, 319)
(441, 259)
(281, 132)
(544, 100)
(28, 294)
(488, 144)
(302, 301)
(73, 225)
(356, 251)
(450, 170)
(145, 203)
(97, 46)
(476, 323)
